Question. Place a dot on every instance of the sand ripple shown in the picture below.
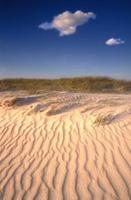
(62, 148)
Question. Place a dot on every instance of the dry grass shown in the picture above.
(103, 120)
(81, 84)
(9, 102)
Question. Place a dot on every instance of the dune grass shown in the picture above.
(78, 84)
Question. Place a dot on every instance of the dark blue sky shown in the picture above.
(27, 51)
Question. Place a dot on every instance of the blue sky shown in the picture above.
(29, 51)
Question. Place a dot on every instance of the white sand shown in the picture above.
(64, 146)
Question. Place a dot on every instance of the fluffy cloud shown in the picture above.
(113, 42)
(67, 22)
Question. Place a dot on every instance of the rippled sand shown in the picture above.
(65, 146)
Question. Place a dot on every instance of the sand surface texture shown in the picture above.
(65, 146)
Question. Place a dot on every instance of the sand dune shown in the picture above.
(65, 146)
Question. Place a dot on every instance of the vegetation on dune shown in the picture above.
(80, 84)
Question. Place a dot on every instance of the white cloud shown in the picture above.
(114, 41)
(67, 22)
